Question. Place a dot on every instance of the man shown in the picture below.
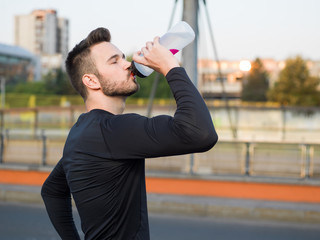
(104, 155)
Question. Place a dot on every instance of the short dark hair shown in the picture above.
(79, 61)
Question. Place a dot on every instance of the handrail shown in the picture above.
(227, 158)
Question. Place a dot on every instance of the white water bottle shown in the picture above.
(179, 36)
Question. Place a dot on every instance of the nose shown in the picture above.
(126, 64)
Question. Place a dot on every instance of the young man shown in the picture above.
(103, 162)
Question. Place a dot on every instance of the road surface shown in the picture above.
(30, 222)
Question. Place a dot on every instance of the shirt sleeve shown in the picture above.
(57, 198)
(189, 130)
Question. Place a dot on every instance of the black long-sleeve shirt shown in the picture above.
(103, 164)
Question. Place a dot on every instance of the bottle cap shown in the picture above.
(135, 71)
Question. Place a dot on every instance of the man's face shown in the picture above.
(115, 76)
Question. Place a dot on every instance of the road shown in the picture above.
(30, 222)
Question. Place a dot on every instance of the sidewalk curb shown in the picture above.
(23, 194)
(197, 206)
(228, 208)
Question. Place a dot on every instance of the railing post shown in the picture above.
(44, 147)
(247, 163)
(1, 147)
(71, 122)
(284, 122)
(36, 122)
(191, 164)
(2, 121)
(308, 161)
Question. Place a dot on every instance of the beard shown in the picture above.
(113, 89)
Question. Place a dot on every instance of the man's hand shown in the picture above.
(157, 57)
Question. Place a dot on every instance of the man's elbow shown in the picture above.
(199, 138)
(209, 140)
(44, 190)
(205, 140)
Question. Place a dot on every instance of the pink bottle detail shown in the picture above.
(174, 51)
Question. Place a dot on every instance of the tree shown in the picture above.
(56, 82)
(295, 86)
(256, 84)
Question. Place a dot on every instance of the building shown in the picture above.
(228, 83)
(17, 63)
(45, 34)
(213, 83)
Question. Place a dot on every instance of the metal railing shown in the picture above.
(238, 158)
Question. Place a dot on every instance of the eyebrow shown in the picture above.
(116, 56)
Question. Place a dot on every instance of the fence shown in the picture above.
(247, 158)
(226, 158)
(262, 146)
(249, 124)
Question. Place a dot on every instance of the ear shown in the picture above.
(91, 81)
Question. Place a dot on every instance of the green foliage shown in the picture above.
(146, 84)
(14, 80)
(28, 88)
(256, 84)
(295, 86)
(55, 82)
(54, 89)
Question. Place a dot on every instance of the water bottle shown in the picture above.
(179, 36)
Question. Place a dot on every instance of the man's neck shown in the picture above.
(114, 105)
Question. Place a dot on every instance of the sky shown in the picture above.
(242, 29)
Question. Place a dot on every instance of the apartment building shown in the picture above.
(45, 34)
(227, 82)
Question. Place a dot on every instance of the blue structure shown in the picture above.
(18, 62)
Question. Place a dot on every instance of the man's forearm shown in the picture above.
(57, 198)
(60, 214)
